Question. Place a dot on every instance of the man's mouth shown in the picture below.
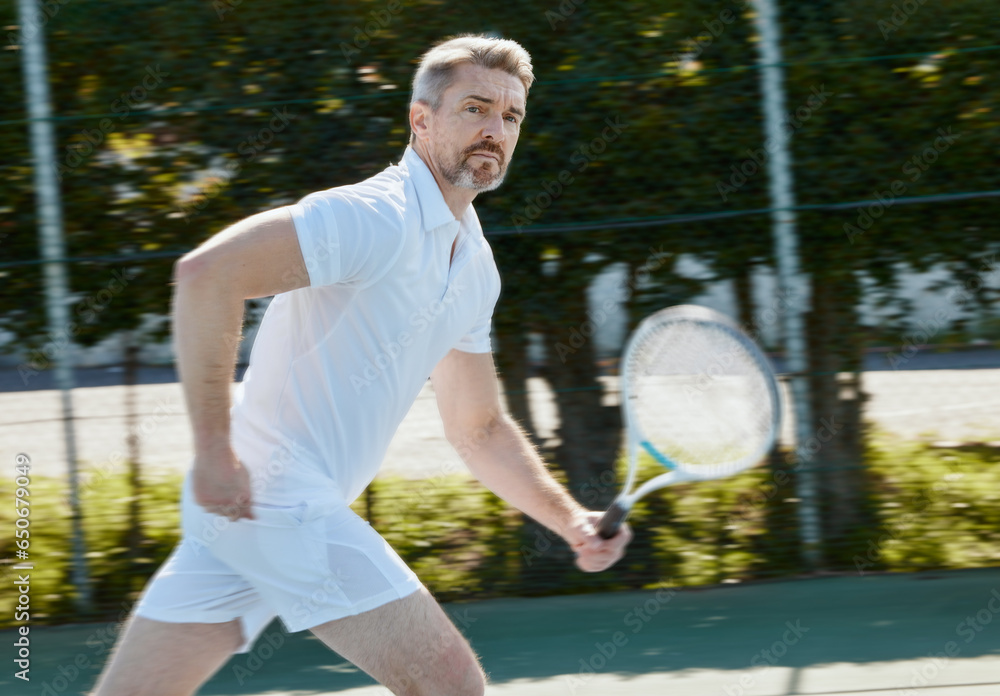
(488, 150)
(486, 154)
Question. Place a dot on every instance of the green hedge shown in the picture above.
(937, 510)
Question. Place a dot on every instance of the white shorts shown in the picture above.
(307, 564)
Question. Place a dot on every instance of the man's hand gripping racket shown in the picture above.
(698, 397)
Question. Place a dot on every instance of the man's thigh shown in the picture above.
(410, 645)
(155, 658)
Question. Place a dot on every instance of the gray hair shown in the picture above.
(435, 73)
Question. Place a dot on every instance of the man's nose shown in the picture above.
(493, 129)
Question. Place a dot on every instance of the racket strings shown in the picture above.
(700, 396)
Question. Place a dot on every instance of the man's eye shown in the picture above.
(512, 119)
(474, 109)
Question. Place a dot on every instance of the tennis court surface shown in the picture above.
(924, 634)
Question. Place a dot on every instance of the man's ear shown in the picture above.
(420, 119)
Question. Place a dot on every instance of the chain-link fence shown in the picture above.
(641, 180)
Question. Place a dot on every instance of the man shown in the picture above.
(377, 286)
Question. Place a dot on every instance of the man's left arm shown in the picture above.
(499, 454)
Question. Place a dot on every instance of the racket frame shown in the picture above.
(678, 472)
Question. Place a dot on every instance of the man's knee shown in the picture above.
(477, 685)
(471, 682)
(462, 674)
(454, 672)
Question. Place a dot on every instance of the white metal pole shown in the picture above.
(791, 282)
(36, 89)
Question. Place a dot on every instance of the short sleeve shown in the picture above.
(343, 238)
(477, 340)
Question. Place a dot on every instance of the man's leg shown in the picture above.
(410, 645)
(154, 658)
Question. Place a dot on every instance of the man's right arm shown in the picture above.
(257, 257)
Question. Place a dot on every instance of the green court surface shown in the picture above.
(925, 634)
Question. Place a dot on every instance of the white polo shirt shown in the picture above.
(336, 366)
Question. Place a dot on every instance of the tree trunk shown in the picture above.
(517, 311)
(837, 448)
(513, 370)
(130, 378)
(589, 432)
(743, 290)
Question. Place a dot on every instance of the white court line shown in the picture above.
(952, 407)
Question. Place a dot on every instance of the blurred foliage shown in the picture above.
(175, 119)
(918, 489)
(939, 511)
(116, 576)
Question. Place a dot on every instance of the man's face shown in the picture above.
(476, 127)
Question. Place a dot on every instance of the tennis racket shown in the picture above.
(698, 397)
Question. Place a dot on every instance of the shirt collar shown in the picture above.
(434, 212)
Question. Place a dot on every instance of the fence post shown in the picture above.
(791, 283)
(53, 251)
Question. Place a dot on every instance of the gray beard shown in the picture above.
(464, 176)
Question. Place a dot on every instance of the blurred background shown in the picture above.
(643, 178)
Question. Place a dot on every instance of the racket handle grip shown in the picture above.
(612, 520)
